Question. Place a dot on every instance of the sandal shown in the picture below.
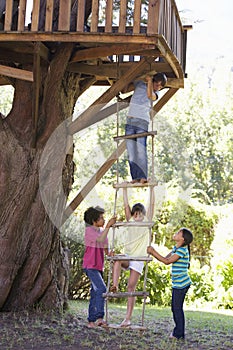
(113, 289)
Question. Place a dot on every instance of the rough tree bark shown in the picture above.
(33, 262)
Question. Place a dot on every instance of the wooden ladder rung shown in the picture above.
(125, 294)
(131, 327)
(128, 258)
(133, 136)
(136, 184)
(148, 224)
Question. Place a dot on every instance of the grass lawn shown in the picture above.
(40, 331)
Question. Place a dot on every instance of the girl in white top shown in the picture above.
(135, 245)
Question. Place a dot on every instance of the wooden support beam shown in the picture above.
(104, 113)
(168, 55)
(109, 70)
(164, 99)
(108, 50)
(88, 82)
(16, 73)
(108, 95)
(94, 180)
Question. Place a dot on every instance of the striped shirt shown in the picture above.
(180, 277)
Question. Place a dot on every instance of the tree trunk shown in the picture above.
(33, 261)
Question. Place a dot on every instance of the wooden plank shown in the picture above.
(81, 38)
(137, 17)
(153, 17)
(95, 15)
(104, 113)
(123, 257)
(109, 70)
(49, 16)
(94, 180)
(80, 15)
(135, 185)
(130, 75)
(132, 327)
(148, 224)
(107, 50)
(164, 99)
(134, 136)
(21, 15)
(123, 14)
(125, 294)
(64, 15)
(35, 15)
(16, 73)
(169, 56)
(108, 16)
(8, 15)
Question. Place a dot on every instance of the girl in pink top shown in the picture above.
(96, 243)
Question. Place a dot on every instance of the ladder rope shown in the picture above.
(148, 225)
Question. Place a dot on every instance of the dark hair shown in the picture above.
(160, 77)
(188, 238)
(92, 215)
(138, 207)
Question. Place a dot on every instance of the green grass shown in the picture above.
(204, 329)
(212, 330)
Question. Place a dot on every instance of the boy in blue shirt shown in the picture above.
(138, 121)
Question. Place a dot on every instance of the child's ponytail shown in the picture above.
(188, 238)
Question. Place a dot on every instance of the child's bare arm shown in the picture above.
(150, 91)
(126, 205)
(151, 205)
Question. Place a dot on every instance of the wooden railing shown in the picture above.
(158, 17)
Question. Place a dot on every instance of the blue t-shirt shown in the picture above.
(180, 276)
(140, 104)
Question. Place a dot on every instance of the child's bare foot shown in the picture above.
(101, 323)
(134, 181)
(91, 325)
(125, 323)
(143, 181)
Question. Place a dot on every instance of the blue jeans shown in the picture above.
(178, 296)
(98, 287)
(136, 148)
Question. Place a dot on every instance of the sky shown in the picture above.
(211, 36)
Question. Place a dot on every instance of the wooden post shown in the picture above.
(153, 17)
(64, 15)
(8, 15)
(49, 16)
(21, 15)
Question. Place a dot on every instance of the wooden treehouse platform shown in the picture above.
(114, 43)
(101, 31)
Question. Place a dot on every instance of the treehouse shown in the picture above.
(114, 43)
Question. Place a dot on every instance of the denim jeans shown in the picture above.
(98, 287)
(178, 296)
(136, 148)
